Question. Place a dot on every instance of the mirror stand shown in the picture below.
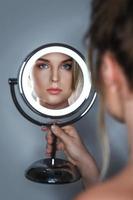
(50, 170)
(35, 83)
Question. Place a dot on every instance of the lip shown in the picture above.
(54, 91)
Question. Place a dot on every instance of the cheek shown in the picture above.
(67, 79)
(38, 82)
(41, 79)
(71, 82)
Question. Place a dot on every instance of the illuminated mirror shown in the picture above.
(55, 83)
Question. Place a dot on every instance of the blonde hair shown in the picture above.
(77, 82)
(105, 147)
(77, 75)
(103, 136)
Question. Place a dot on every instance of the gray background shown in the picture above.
(25, 25)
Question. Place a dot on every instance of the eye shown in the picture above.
(67, 66)
(43, 66)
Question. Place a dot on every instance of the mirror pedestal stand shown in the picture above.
(59, 172)
(50, 170)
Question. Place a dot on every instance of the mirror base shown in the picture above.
(42, 171)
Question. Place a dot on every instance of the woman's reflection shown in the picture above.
(55, 77)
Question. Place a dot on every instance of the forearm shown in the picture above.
(88, 170)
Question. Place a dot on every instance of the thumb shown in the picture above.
(61, 134)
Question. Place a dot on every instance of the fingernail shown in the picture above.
(53, 128)
(44, 128)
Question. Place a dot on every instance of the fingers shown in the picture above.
(71, 131)
(65, 136)
(48, 135)
(60, 133)
(65, 133)
(44, 128)
(49, 139)
(68, 130)
(60, 146)
(49, 150)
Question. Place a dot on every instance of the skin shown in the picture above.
(118, 101)
(52, 80)
(119, 187)
(70, 142)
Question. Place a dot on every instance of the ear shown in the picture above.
(110, 71)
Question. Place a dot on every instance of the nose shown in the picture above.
(55, 75)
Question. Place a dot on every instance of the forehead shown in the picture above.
(56, 57)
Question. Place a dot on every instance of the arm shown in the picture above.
(75, 151)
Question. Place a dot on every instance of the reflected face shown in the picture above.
(52, 80)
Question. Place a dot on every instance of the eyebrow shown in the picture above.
(46, 60)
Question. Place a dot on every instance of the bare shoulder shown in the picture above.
(118, 187)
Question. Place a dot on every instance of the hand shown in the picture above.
(70, 142)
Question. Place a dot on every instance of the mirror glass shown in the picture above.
(54, 80)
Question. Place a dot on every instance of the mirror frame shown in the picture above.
(87, 100)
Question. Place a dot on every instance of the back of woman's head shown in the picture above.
(111, 30)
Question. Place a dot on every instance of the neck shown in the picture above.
(129, 123)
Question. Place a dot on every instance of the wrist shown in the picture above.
(88, 169)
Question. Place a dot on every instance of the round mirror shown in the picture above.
(55, 83)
